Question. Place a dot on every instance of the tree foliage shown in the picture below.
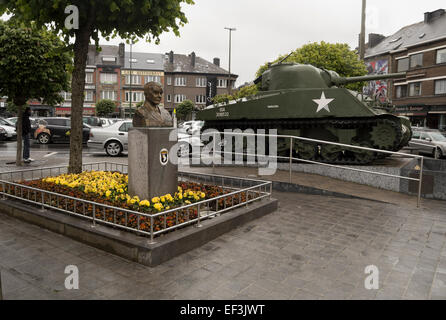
(243, 92)
(105, 107)
(128, 19)
(337, 57)
(34, 64)
(185, 109)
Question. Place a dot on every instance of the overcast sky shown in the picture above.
(267, 28)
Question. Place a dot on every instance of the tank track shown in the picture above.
(345, 156)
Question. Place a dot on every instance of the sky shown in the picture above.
(268, 28)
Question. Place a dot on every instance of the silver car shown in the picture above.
(114, 139)
(429, 142)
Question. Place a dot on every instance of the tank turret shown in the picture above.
(291, 76)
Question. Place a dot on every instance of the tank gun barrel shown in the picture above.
(343, 80)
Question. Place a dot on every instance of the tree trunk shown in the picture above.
(77, 99)
(19, 102)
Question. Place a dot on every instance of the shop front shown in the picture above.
(66, 111)
(433, 117)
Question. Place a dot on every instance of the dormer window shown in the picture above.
(150, 61)
(395, 40)
(108, 59)
(421, 36)
(133, 60)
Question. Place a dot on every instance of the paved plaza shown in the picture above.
(313, 247)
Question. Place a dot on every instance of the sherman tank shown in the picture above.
(305, 101)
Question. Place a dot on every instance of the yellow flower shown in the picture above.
(155, 200)
(202, 195)
(180, 196)
(187, 202)
(163, 199)
(145, 203)
(158, 206)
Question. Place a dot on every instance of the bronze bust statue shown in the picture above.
(150, 114)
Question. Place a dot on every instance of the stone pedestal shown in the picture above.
(150, 175)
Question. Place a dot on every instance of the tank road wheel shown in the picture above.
(331, 153)
(361, 156)
(306, 151)
(385, 135)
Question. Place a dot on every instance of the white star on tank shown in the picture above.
(323, 103)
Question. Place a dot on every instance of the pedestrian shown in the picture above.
(26, 131)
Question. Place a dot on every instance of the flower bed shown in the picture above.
(110, 189)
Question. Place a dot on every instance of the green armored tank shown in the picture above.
(302, 100)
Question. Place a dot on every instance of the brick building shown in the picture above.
(189, 77)
(138, 70)
(419, 50)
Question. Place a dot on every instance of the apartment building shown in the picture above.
(139, 68)
(189, 77)
(419, 50)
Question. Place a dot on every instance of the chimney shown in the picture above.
(121, 49)
(171, 57)
(375, 39)
(217, 61)
(121, 54)
(192, 59)
(430, 16)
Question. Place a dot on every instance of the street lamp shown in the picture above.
(131, 77)
(229, 74)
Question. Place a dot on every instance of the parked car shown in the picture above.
(92, 121)
(3, 134)
(13, 120)
(114, 139)
(9, 128)
(105, 122)
(55, 129)
(429, 141)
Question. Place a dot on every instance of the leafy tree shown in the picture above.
(245, 91)
(129, 19)
(105, 107)
(185, 109)
(34, 64)
(337, 57)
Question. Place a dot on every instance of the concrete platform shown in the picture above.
(133, 247)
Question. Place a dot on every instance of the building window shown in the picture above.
(109, 78)
(66, 96)
(169, 98)
(108, 94)
(137, 96)
(201, 82)
(180, 81)
(416, 60)
(135, 79)
(441, 56)
(440, 86)
(88, 95)
(169, 81)
(108, 59)
(89, 77)
(415, 89)
(201, 99)
(403, 65)
(222, 83)
(179, 98)
(401, 91)
(152, 79)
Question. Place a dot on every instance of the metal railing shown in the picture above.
(240, 192)
(291, 158)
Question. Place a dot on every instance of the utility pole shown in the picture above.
(362, 36)
(229, 74)
(131, 77)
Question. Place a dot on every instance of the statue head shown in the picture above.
(153, 92)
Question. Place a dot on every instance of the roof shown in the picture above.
(183, 63)
(410, 36)
(95, 58)
(156, 61)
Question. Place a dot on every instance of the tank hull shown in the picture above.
(328, 114)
